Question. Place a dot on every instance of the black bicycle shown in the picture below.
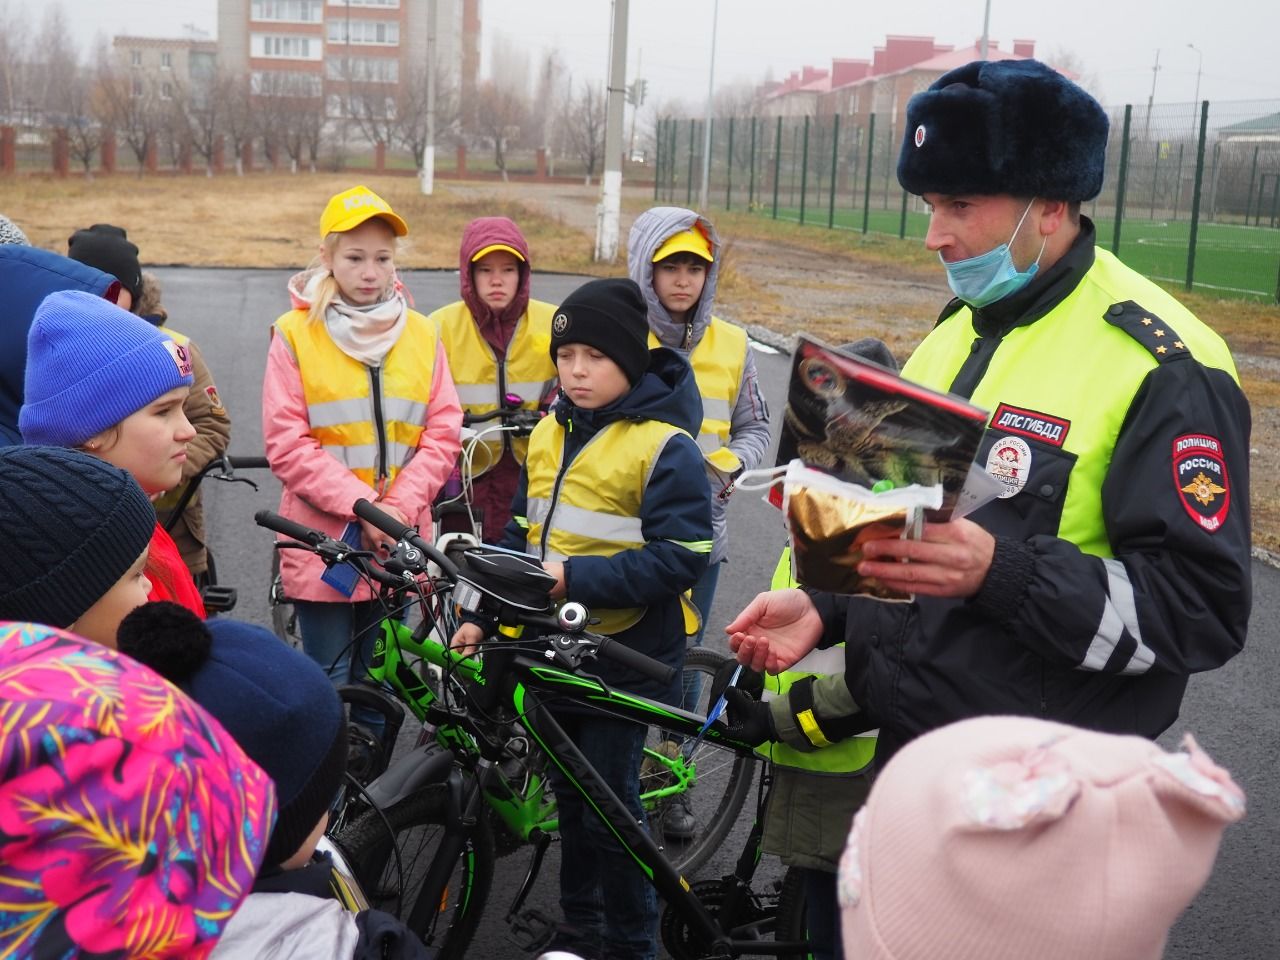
(425, 847)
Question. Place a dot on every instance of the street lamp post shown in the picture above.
(1199, 67)
(706, 133)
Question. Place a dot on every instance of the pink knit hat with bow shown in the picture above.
(1006, 837)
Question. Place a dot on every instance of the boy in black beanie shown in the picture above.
(607, 503)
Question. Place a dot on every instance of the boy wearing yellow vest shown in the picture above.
(496, 339)
(605, 502)
(674, 255)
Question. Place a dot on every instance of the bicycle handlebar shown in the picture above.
(625, 656)
(288, 528)
(402, 531)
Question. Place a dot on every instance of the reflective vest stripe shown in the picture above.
(364, 456)
(484, 396)
(333, 413)
(709, 442)
(403, 410)
(714, 408)
(1119, 615)
(694, 546)
(719, 361)
(624, 531)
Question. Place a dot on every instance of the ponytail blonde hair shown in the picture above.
(327, 289)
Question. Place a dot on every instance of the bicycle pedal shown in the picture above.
(218, 598)
(531, 930)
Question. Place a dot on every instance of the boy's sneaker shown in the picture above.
(654, 774)
(678, 821)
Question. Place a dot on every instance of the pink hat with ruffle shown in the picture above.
(131, 824)
(1006, 837)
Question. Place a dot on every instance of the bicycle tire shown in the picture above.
(723, 780)
(418, 821)
(792, 920)
(284, 619)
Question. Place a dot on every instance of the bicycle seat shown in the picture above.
(509, 578)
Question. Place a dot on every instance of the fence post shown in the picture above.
(107, 151)
(835, 161)
(804, 168)
(1155, 181)
(728, 190)
(1253, 173)
(777, 166)
(902, 219)
(61, 152)
(866, 193)
(751, 180)
(1124, 172)
(688, 187)
(1177, 185)
(657, 159)
(1195, 197)
(8, 150)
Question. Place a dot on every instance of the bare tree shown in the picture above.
(14, 59)
(131, 107)
(237, 122)
(500, 115)
(584, 124)
(411, 110)
(205, 106)
(82, 122)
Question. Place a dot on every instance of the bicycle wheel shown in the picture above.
(419, 823)
(793, 920)
(691, 822)
(284, 621)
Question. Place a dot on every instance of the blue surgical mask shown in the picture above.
(990, 276)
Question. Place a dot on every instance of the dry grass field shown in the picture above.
(781, 276)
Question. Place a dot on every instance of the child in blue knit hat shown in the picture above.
(282, 710)
(104, 381)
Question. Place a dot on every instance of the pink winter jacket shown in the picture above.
(319, 491)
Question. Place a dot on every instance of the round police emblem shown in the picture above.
(560, 324)
(1009, 462)
(920, 136)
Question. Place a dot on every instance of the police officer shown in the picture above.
(1115, 561)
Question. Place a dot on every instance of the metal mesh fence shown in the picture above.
(1191, 193)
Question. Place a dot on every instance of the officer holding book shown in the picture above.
(1114, 562)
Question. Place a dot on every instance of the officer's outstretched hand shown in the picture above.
(775, 630)
(749, 720)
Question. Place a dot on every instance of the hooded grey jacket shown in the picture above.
(749, 425)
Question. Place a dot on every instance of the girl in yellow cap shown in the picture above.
(357, 402)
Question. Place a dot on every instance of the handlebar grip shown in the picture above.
(383, 521)
(249, 463)
(632, 659)
(400, 531)
(288, 528)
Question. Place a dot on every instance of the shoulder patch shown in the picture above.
(1200, 477)
(1149, 330)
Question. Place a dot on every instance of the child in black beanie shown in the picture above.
(606, 501)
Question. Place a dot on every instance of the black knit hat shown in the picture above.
(611, 316)
(108, 248)
(71, 525)
(277, 703)
(1012, 127)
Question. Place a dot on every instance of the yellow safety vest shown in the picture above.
(845, 756)
(591, 506)
(527, 371)
(368, 418)
(1034, 370)
(718, 362)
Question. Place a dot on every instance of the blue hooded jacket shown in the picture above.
(674, 512)
(27, 276)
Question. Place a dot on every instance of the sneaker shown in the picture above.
(678, 821)
(654, 774)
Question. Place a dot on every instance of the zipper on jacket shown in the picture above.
(379, 428)
(555, 489)
(688, 336)
(502, 394)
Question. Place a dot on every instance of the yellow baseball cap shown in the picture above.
(347, 210)
(494, 248)
(693, 240)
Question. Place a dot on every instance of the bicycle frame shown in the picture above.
(517, 681)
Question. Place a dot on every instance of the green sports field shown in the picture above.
(1231, 259)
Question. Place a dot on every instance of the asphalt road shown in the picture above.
(1231, 711)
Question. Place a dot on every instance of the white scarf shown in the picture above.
(367, 334)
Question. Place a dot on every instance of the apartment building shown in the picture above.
(165, 68)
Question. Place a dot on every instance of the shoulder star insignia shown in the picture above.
(1158, 332)
(1179, 344)
(1146, 321)
(1162, 349)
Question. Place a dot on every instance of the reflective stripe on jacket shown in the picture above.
(367, 418)
(718, 362)
(846, 756)
(591, 506)
(482, 382)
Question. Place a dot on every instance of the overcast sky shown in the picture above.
(1115, 40)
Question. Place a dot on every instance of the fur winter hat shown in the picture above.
(131, 824)
(609, 315)
(1012, 127)
(276, 701)
(1001, 838)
